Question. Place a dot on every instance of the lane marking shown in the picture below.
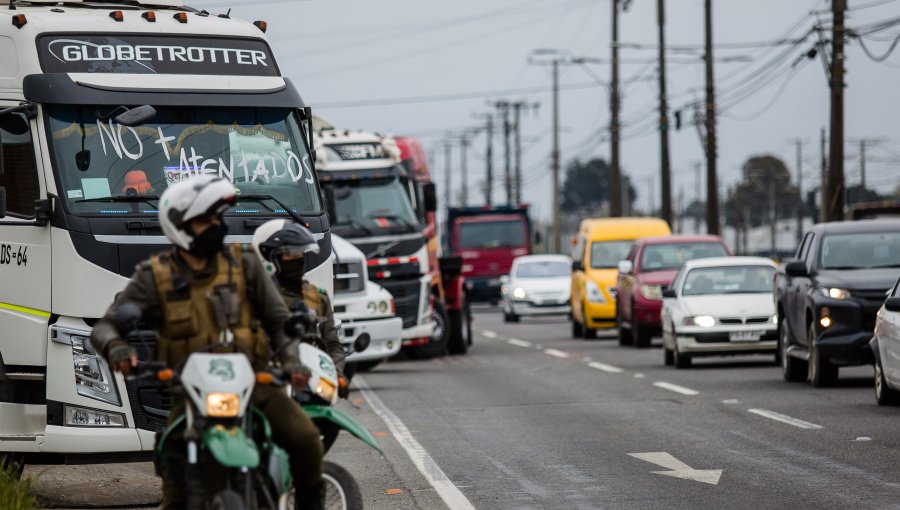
(677, 389)
(555, 353)
(520, 343)
(605, 368)
(426, 465)
(488, 333)
(783, 418)
(679, 469)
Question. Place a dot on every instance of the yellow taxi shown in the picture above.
(597, 249)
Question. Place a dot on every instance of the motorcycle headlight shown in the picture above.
(704, 321)
(519, 293)
(326, 389)
(593, 293)
(93, 379)
(835, 293)
(223, 405)
(651, 291)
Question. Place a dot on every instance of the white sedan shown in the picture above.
(719, 306)
(886, 348)
(536, 285)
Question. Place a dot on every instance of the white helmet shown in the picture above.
(191, 198)
(276, 237)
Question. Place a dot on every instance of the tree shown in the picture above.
(586, 188)
(765, 188)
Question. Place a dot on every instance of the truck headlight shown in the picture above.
(519, 293)
(835, 293)
(83, 417)
(653, 292)
(93, 379)
(223, 405)
(704, 321)
(383, 306)
(593, 293)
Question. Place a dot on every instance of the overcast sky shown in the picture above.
(342, 52)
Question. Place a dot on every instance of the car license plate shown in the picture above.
(745, 336)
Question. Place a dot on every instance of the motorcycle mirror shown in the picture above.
(127, 317)
(362, 342)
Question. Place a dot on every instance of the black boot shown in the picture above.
(310, 498)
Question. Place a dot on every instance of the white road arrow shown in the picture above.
(679, 469)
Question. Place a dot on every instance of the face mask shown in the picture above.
(291, 272)
(210, 242)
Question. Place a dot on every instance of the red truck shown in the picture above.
(649, 268)
(488, 239)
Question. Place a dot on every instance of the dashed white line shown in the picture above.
(677, 389)
(605, 368)
(783, 418)
(488, 333)
(519, 343)
(555, 353)
(445, 488)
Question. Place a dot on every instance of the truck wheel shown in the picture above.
(884, 394)
(459, 332)
(792, 369)
(821, 372)
(438, 345)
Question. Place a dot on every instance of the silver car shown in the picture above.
(886, 348)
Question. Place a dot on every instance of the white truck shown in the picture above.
(102, 105)
(363, 307)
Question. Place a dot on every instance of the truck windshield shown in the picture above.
(105, 168)
(373, 205)
(861, 251)
(491, 234)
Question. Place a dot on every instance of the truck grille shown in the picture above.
(406, 299)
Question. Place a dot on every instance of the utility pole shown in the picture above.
(712, 192)
(507, 161)
(463, 155)
(517, 109)
(557, 246)
(488, 157)
(834, 207)
(823, 187)
(802, 204)
(615, 176)
(447, 171)
(862, 169)
(665, 175)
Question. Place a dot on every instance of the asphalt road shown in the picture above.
(532, 418)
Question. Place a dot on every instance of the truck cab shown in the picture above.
(102, 106)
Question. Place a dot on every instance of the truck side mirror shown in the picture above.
(429, 195)
(669, 293)
(625, 266)
(796, 268)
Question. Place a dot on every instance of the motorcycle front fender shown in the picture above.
(231, 447)
(343, 421)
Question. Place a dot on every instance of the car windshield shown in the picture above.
(492, 234)
(543, 269)
(728, 280)
(607, 254)
(370, 205)
(861, 251)
(107, 168)
(660, 257)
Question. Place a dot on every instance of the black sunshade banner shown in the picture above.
(153, 54)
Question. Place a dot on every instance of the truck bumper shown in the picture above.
(123, 443)
(848, 349)
(385, 335)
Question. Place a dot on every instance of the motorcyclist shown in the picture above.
(281, 246)
(202, 293)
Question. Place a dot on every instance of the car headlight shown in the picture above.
(519, 293)
(223, 405)
(835, 293)
(93, 378)
(775, 319)
(325, 389)
(651, 291)
(704, 321)
(593, 293)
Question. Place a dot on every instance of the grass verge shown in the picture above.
(15, 492)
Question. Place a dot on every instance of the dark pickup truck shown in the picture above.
(827, 298)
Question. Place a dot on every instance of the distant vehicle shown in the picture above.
(488, 239)
(598, 247)
(886, 349)
(827, 298)
(650, 266)
(536, 285)
(719, 306)
(875, 210)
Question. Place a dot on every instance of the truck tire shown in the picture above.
(821, 372)
(438, 345)
(792, 369)
(460, 331)
(884, 394)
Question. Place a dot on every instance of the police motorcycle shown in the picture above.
(221, 450)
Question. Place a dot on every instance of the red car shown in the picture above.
(649, 268)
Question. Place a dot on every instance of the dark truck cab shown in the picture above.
(827, 298)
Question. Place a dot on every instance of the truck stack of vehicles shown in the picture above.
(650, 266)
(488, 239)
(599, 246)
(377, 204)
(828, 297)
(536, 285)
(83, 170)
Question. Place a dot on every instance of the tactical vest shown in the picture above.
(196, 315)
(309, 293)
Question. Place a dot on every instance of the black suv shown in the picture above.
(827, 298)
